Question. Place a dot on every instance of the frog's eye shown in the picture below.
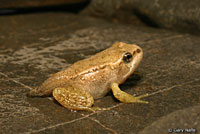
(127, 57)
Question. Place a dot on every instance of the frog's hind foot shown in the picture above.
(73, 98)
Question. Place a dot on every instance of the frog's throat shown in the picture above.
(131, 70)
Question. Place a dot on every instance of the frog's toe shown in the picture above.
(73, 98)
(137, 100)
(142, 96)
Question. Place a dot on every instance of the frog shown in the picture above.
(77, 86)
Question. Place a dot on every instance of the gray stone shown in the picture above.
(33, 46)
(179, 15)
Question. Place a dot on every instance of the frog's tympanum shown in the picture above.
(77, 86)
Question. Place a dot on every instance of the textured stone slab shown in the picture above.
(42, 44)
(179, 15)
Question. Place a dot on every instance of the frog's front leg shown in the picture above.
(125, 97)
(76, 99)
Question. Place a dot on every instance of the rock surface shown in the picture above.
(33, 46)
(179, 15)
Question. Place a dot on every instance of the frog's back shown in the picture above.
(96, 61)
(61, 79)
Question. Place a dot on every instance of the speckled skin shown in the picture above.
(95, 74)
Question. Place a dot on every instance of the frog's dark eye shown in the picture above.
(127, 57)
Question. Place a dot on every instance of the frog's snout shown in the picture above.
(137, 51)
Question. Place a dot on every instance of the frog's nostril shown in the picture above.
(138, 50)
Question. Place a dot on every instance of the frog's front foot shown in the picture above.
(75, 99)
(125, 97)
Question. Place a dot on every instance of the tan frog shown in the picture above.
(77, 86)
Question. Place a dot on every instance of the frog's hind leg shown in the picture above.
(75, 99)
(125, 97)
